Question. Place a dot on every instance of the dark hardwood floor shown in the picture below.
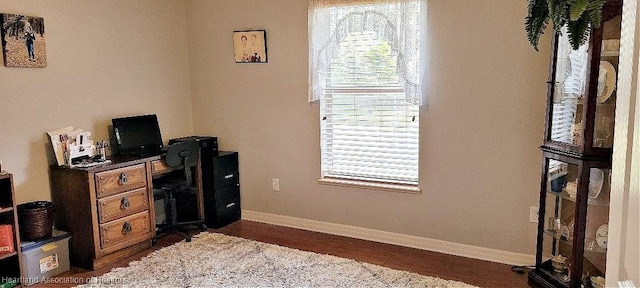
(476, 272)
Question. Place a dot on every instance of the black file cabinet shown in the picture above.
(220, 181)
(222, 190)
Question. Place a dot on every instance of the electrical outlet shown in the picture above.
(275, 185)
(533, 214)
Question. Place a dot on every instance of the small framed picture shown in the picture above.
(23, 41)
(250, 46)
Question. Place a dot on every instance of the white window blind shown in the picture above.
(562, 120)
(571, 76)
(369, 131)
(370, 136)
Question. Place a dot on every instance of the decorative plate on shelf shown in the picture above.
(602, 235)
(596, 180)
(606, 81)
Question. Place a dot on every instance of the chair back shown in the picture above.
(183, 154)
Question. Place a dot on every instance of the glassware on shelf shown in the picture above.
(571, 227)
(558, 184)
(604, 131)
(558, 263)
(576, 134)
(566, 231)
(554, 226)
(597, 281)
(567, 277)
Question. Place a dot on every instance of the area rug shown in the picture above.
(217, 260)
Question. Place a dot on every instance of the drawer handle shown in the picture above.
(231, 205)
(125, 204)
(123, 178)
(228, 176)
(126, 228)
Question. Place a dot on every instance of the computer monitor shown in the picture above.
(137, 135)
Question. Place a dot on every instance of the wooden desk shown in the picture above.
(109, 209)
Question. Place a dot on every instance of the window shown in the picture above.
(366, 73)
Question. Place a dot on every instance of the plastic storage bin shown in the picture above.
(45, 258)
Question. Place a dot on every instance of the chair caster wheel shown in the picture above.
(203, 227)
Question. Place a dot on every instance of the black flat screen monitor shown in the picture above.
(137, 135)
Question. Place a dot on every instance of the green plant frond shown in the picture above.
(558, 12)
(577, 8)
(580, 17)
(536, 21)
(594, 10)
(578, 32)
(554, 12)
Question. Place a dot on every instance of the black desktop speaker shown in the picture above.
(220, 182)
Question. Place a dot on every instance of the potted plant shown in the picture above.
(580, 16)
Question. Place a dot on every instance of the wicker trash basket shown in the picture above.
(36, 220)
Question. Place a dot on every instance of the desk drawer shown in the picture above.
(227, 207)
(120, 180)
(225, 170)
(159, 167)
(228, 179)
(121, 205)
(126, 231)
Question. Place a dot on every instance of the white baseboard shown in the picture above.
(435, 245)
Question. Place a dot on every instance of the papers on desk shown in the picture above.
(59, 141)
(69, 143)
(89, 164)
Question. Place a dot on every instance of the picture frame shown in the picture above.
(250, 46)
(23, 41)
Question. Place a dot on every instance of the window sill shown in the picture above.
(402, 188)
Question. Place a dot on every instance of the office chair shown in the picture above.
(179, 155)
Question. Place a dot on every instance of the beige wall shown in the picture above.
(480, 162)
(105, 59)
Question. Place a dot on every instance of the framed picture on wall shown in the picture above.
(250, 46)
(23, 41)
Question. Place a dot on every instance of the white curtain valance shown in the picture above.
(400, 22)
